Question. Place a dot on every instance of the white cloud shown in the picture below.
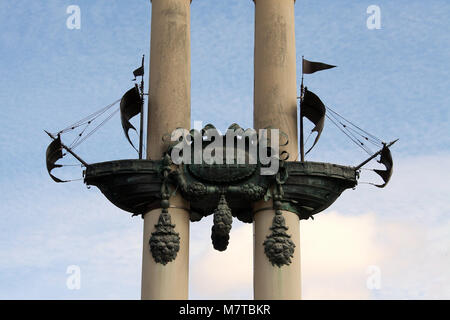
(338, 249)
(336, 252)
(223, 275)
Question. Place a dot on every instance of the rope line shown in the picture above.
(95, 129)
(356, 141)
(350, 129)
(356, 132)
(349, 133)
(367, 169)
(79, 135)
(89, 118)
(375, 143)
(374, 138)
(308, 138)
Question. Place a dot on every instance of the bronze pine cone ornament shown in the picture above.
(223, 219)
(164, 242)
(278, 246)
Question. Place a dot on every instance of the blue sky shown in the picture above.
(392, 82)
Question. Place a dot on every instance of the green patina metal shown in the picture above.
(220, 231)
(135, 186)
(164, 241)
(278, 246)
(224, 190)
(222, 185)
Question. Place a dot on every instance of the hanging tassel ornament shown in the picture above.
(164, 241)
(278, 245)
(223, 219)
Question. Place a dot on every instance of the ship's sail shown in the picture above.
(53, 154)
(130, 106)
(314, 110)
(386, 160)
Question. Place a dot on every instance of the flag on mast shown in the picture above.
(138, 72)
(311, 66)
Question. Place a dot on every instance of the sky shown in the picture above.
(392, 81)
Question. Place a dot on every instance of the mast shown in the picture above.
(141, 129)
(302, 143)
(309, 67)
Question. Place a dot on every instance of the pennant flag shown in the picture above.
(138, 72)
(311, 66)
(314, 110)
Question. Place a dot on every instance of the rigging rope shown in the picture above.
(89, 118)
(352, 131)
(361, 144)
(71, 165)
(87, 121)
(80, 134)
(375, 143)
(75, 180)
(355, 140)
(95, 129)
(309, 135)
(372, 137)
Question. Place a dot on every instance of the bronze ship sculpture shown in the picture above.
(225, 190)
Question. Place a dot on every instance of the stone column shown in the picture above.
(275, 105)
(169, 108)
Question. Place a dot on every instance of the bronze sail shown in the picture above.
(386, 160)
(314, 110)
(130, 106)
(53, 154)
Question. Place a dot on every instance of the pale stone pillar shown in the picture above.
(169, 108)
(275, 105)
(170, 281)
